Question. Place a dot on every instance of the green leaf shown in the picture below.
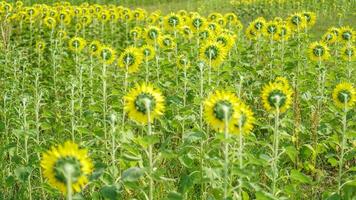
(111, 192)
(292, 153)
(300, 177)
(132, 174)
(174, 196)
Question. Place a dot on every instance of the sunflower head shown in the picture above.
(172, 21)
(297, 21)
(212, 53)
(66, 161)
(284, 32)
(197, 23)
(348, 53)
(76, 44)
(166, 42)
(40, 46)
(251, 33)
(271, 30)
(310, 18)
(318, 51)
(243, 119)
(329, 37)
(276, 96)
(148, 52)
(50, 22)
(344, 95)
(61, 34)
(220, 107)
(94, 46)
(143, 100)
(347, 34)
(131, 59)
(106, 54)
(86, 20)
(258, 24)
(183, 61)
(152, 33)
(186, 32)
(135, 33)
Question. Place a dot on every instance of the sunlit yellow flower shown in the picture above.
(318, 51)
(284, 32)
(172, 22)
(166, 42)
(183, 61)
(40, 46)
(76, 44)
(64, 17)
(140, 100)
(212, 53)
(276, 95)
(219, 108)
(243, 119)
(50, 22)
(148, 52)
(106, 54)
(65, 161)
(94, 46)
(226, 40)
(151, 34)
(61, 34)
(197, 23)
(251, 33)
(310, 18)
(329, 37)
(135, 33)
(130, 59)
(186, 32)
(258, 24)
(213, 16)
(348, 53)
(344, 95)
(271, 30)
(347, 34)
(297, 21)
(86, 20)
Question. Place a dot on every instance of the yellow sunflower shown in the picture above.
(297, 21)
(197, 23)
(282, 80)
(258, 24)
(94, 46)
(220, 105)
(243, 119)
(284, 32)
(226, 40)
(172, 22)
(151, 34)
(186, 32)
(40, 46)
(212, 53)
(148, 52)
(50, 22)
(106, 54)
(61, 34)
(213, 16)
(76, 44)
(271, 30)
(183, 61)
(329, 37)
(310, 18)
(67, 160)
(166, 42)
(344, 95)
(276, 95)
(347, 34)
(141, 99)
(348, 53)
(251, 33)
(318, 51)
(135, 33)
(131, 59)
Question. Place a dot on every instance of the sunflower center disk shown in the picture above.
(277, 98)
(143, 99)
(129, 59)
(222, 109)
(344, 96)
(212, 52)
(318, 51)
(67, 166)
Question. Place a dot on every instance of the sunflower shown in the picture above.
(278, 20)
(64, 17)
(40, 46)
(276, 95)
(220, 105)
(318, 51)
(310, 18)
(230, 18)
(186, 32)
(166, 42)
(212, 52)
(221, 21)
(151, 34)
(94, 46)
(148, 52)
(106, 54)
(329, 37)
(183, 61)
(334, 30)
(226, 40)
(214, 27)
(348, 53)
(258, 24)
(213, 16)
(172, 22)
(284, 32)
(297, 21)
(197, 23)
(142, 97)
(271, 30)
(131, 59)
(205, 35)
(282, 80)
(67, 160)
(251, 33)
(243, 119)
(50, 22)
(76, 44)
(347, 34)
(61, 34)
(135, 33)
(344, 95)
(86, 20)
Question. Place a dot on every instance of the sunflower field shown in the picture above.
(178, 100)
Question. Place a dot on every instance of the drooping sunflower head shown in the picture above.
(130, 59)
(213, 16)
(348, 53)
(214, 27)
(230, 18)
(212, 53)
(197, 23)
(64, 17)
(347, 34)
(40, 46)
(50, 22)
(318, 51)
(284, 32)
(276, 96)
(144, 100)
(329, 37)
(135, 33)
(183, 61)
(344, 95)
(148, 52)
(94, 46)
(225, 40)
(152, 33)
(258, 24)
(297, 21)
(205, 34)
(76, 44)
(186, 32)
(106, 54)
(271, 30)
(66, 161)
(310, 18)
(172, 22)
(167, 42)
(251, 33)
(243, 119)
(219, 108)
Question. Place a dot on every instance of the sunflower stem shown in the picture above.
(226, 152)
(275, 151)
(342, 146)
(68, 170)
(150, 147)
(240, 156)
